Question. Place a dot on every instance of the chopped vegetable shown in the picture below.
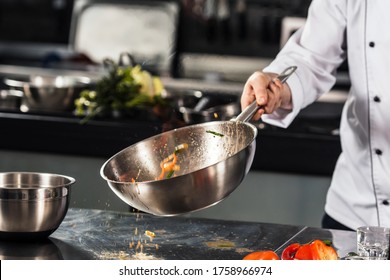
(262, 255)
(314, 250)
(289, 252)
(181, 148)
(169, 164)
(215, 133)
(150, 233)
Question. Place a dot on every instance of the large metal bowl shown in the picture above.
(32, 205)
(48, 93)
(210, 169)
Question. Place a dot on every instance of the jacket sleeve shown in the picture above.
(317, 49)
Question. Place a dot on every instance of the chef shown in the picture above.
(359, 193)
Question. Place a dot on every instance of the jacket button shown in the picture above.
(386, 202)
(371, 44)
(378, 152)
(377, 99)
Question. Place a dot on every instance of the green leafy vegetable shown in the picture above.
(124, 88)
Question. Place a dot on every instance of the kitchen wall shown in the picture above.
(41, 33)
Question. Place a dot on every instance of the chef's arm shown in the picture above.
(317, 49)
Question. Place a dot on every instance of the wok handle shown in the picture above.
(249, 111)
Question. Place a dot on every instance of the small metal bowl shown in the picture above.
(49, 93)
(32, 205)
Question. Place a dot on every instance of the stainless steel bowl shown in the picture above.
(32, 205)
(210, 169)
(49, 93)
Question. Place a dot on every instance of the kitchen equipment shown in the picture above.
(32, 205)
(196, 106)
(10, 99)
(219, 155)
(49, 93)
(221, 112)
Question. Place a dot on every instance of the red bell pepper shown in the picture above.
(290, 251)
(315, 250)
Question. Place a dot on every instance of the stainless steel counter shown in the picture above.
(97, 234)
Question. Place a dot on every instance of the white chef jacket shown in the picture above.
(359, 193)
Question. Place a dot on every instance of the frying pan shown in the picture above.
(218, 157)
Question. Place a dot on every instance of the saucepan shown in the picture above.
(213, 159)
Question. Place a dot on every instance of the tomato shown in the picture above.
(262, 255)
(290, 251)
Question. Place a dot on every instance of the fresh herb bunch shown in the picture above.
(123, 89)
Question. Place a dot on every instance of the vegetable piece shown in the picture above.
(290, 251)
(262, 255)
(215, 133)
(304, 252)
(321, 251)
(315, 250)
(169, 164)
(181, 148)
(150, 233)
(170, 174)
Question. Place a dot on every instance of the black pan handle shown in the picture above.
(249, 111)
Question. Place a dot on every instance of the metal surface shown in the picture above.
(197, 106)
(210, 170)
(222, 112)
(10, 99)
(48, 93)
(32, 205)
(97, 234)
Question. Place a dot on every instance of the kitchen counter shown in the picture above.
(99, 234)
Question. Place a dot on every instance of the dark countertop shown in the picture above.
(99, 234)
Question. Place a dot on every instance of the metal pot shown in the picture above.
(219, 155)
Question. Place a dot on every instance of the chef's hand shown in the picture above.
(268, 91)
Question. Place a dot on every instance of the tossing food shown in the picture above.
(169, 164)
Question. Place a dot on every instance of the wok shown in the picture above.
(211, 168)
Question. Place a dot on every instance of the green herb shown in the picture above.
(215, 133)
(170, 174)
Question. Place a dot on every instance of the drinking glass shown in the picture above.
(373, 242)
